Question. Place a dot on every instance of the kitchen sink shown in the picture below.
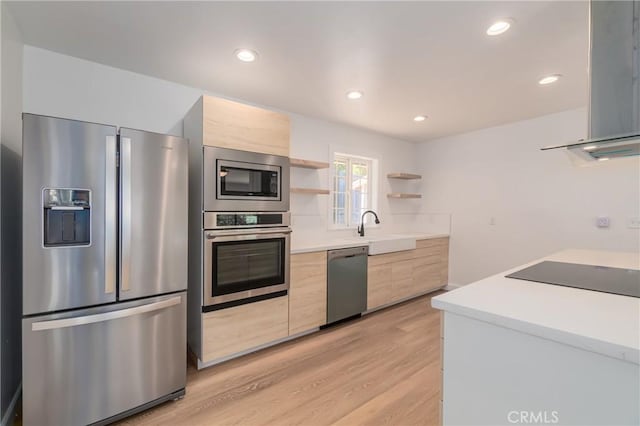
(389, 243)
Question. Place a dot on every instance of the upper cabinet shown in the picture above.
(234, 125)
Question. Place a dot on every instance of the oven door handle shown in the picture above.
(214, 235)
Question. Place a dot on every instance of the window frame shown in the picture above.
(372, 190)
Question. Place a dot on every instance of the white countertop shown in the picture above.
(311, 244)
(604, 323)
(308, 246)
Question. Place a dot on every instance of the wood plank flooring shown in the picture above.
(382, 369)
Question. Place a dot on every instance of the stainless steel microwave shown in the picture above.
(245, 181)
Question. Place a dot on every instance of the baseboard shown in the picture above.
(452, 286)
(399, 301)
(11, 409)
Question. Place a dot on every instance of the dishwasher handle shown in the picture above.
(348, 252)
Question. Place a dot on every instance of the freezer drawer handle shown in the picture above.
(107, 316)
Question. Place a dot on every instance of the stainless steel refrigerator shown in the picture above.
(104, 270)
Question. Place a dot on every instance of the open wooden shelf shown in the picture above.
(406, 176)
(313, 191)
(403, 195)
(308, 164)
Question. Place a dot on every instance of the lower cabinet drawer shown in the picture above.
(232, 330)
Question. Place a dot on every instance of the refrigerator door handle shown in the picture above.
(125, 220)
(107, 316)
(110, 216)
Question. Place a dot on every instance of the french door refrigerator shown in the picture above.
(104, 271)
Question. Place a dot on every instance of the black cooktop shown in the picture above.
(621, 281)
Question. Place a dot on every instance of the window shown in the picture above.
(353, 192)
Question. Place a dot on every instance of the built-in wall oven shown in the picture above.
(245, 181)
(246, 257)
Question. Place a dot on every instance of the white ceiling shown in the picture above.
(409, 58)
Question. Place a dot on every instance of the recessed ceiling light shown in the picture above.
(500, 27)
(549, 79)
(246, 55)
(590, 147)
(603, 159)
(419, 118)
(354, 94)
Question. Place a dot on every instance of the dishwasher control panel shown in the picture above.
(348, 252)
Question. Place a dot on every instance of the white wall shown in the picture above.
(64, 86)
(315, 139)
(539, 200)
(11, 217)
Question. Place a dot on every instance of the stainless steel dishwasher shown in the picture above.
(346, 283)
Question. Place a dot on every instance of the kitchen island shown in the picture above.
(521, 352)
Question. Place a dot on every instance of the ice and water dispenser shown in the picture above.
(67, 217)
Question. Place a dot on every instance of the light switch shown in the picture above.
(602, 221)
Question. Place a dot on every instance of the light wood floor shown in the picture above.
(383, 369)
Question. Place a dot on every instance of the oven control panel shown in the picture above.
(245, 220)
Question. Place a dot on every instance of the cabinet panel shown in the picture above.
(432, 242)
(402, 279)
(399, 256)
(308, 291)
(431, 255)
(431, 266)
(395, 276)
(426, 276)
(378, 285)
(234, 125)
(444, 264)
(237, 329)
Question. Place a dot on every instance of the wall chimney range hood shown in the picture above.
(614, 83)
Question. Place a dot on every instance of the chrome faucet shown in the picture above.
(361, 226)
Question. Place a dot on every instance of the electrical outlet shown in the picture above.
(634, 223)
(602, 222)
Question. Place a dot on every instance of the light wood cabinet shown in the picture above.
(234, 125)
(237, 329)
(378, 285)
(308, 291)
(433, 242)
(400, 275)
(430, 268)
(402, 279)
(309, 164)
